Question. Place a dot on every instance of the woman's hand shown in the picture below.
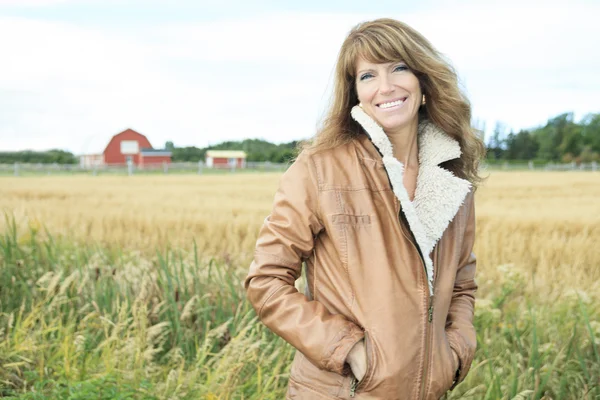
(357, 359)
(456, 359)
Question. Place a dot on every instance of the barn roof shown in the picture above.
(225, 154)
(155, 152)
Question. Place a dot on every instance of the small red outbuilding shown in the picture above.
(225, 159)
(132, 145)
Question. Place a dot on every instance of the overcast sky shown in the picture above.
(75, 72)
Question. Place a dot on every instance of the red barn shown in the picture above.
(225, 159)
(132, 145)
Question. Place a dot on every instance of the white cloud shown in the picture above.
(31, 3)
(309, 39)
(58, 76)
(267, 76)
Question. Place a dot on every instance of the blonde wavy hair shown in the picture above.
(387, 40)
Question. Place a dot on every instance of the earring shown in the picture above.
(423, 101)
(360, 105)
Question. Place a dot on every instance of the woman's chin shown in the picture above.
(397, 125)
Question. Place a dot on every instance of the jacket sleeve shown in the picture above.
(459, 324)
(285, 239)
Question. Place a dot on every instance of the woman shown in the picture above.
(380, 208)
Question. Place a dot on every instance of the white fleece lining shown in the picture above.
(438, 195)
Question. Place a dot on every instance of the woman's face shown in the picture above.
(389, 93)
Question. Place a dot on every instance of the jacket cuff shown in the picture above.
(465, 355)
(335, 359)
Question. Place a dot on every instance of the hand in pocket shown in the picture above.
(456, 360)
(357, 359)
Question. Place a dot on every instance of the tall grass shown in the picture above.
(164, 316)
(80, 319)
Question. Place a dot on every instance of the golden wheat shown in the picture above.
(545, 223)
(179, 328)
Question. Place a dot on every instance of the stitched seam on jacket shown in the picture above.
(314, 163)
(318, 215)
(355, 189)
(344, 244)
(429, 360)
(284, 262)
(319, 187)
(310, 388)
(349, 189)
(344, 248)
(467, 215)
(336, 339)
(424, 340)
(269, 298)
(351, 219)
(462, 217)
(347, 268)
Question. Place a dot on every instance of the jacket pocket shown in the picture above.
(299, 391)
(305, 374)
(455, 362)
(452, 365)
(449, 366)
(442, 367)
(363, 385)
(348, 219)
(455, 366)
(347, 232)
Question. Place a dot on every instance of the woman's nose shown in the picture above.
(385, 85)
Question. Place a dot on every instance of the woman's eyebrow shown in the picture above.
(365, 70)
(389, 65)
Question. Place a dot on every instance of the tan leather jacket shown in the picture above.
(403, 281)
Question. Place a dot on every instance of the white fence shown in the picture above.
(18, 169)
(506, 166)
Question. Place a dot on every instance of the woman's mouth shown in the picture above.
(392, 104)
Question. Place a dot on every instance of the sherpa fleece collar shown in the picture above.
(439, 193)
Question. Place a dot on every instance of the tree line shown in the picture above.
(561, 139)
(256, 150)
(38, 157)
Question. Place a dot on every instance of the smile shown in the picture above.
(392, 104)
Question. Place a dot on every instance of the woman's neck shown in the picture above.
(405, 146)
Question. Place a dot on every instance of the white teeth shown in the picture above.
(391, 104)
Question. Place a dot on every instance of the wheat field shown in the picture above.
(130, 287)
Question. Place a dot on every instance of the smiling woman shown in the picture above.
(380, 209)
(391, 93)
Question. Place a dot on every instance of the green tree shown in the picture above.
(521, 146)
(495, 148)
(591, 132)
(559, 136)
(187, 154)
(38, 157)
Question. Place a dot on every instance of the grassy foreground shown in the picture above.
(83, 317)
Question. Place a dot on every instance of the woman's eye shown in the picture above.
(365, 76)
(401, 67)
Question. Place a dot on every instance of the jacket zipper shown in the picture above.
(354, 382)
(429, 308)
(428, 327)
(353, 386)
